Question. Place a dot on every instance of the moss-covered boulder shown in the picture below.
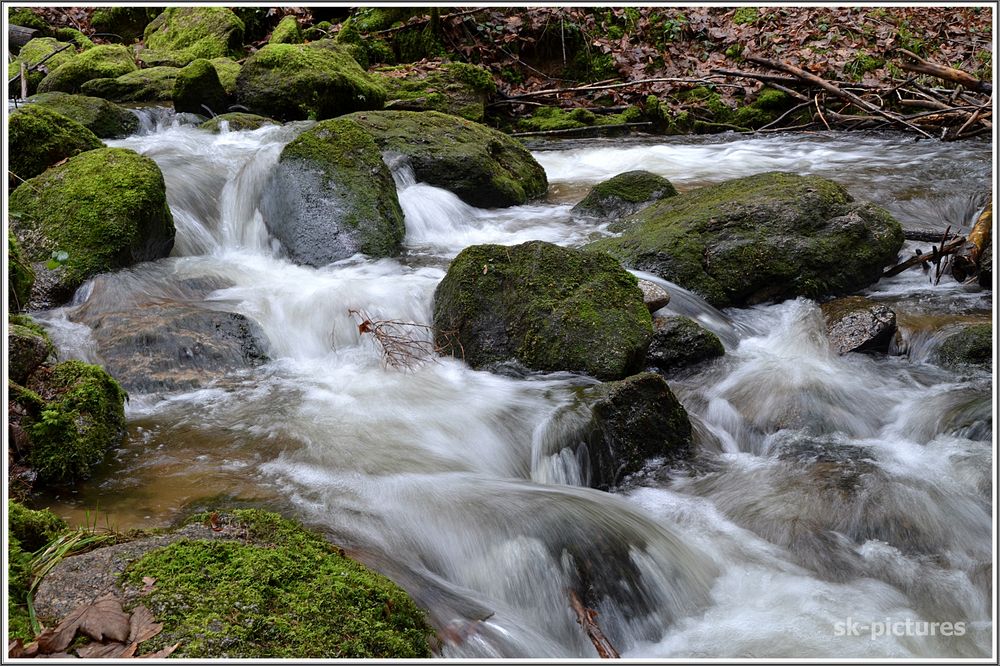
(105, 119)
(105, 209)
(39, 137)
(128, 23)
(228, 71)
(299, 81)
(34, 52)
(181, 35)
(761, 238)
(20, 276)
(484, 167)
(236, 121)
(27, 531)
(548, 307)
(634, 420)
(679, 342)
(858, 324)
(100, 62)
(624, 194)
(82, 42)
(970, 347)
(78, 416)
(456, 88)
(28, 348)
(331, 196)
(286, 32)
(154, 84)
(196, 87)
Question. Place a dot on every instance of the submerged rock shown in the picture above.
(153, 84)
(679, 342)
(105, 119)
(547, 307)
(761, 238)
(858, 324)
(972, 346)
(197, 87)
(484, 167)
(104, 209)
(100, 62)
(306, 81)
(624, 194)
(181, 35)
(331, 195)
(455, 88)
(39, 137)
(236, 121)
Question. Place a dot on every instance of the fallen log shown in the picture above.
(965, 263)
(946, 73)
(586, 617)
(920, 259)
(18, 36)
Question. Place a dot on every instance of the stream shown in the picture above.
(831, 495)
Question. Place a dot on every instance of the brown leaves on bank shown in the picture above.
(115, 633)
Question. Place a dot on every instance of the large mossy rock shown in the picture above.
(245, 584)
(236, 121)
(20, 276)
(679, 342)
(105, 209)
(331, 195)
(39, 138)
(28, 348)
(33, 53)
(286, 32)
(634, 420)
(154, 84)
(196, 87)
(105, 119)
(484, 167)
(548, 307)
(858, 324)
(970, 347)
(761, 238)
(301, 81)
(128, 23)
(181, 35)
(624, 194)
(455, 88)
(76, 415)
(100, 62)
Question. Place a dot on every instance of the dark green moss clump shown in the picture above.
(548, 118)
(20, 276)
(281, 593)
(456, 88)
(33, 529)
(548, 307)
(126, 22)
(624, 194)
(286, 32)
(33, 53)
(237, 121)
(100, 62)
(24, 17)
(105, 119)
(972, 346)
(27, 531)
(40, 137)
(228, 71)
(182, 34)
(197, 86)
(153, 84)
(82, 417)
(105, 209)
(766, 237)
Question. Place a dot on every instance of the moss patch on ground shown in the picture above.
(27, 531)
(283, 592)
(548, 118)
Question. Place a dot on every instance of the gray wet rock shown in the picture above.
(679, 342)
(859, 324)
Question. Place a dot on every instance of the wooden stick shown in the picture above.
(24, 82)
(782, 116)
(924, 258)
(586, 618)
(625, 84)
(947, 73)
(820, 112)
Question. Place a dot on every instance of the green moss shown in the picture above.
(455, 88)
(196, 87)
(33, 53)
(18, 583)
(152, 84)
(33, 529)
(862, 62)
(551, 308)
(547, 118)
(100, 62)
(73, 35)
(228, 71)
(746, 15)
(322, 30)
(416, 44)
(296, 82)
(973, 345)
(236, 122)
(126, 22)
(39, 137)
(28, 348)
(371, 19)
(20, 276)
(83, 417)
(624, 194)
(287, 32)
(106, 208)
(182, 34)
(102, 117)
(26, 18)
(281, 593)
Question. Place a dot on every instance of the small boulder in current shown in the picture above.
(624, 194)
(970, 347)
(858, 324)
(679, 342)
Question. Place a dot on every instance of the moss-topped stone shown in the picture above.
(286, 32)
(236, 121)
(456, 88)
(39, 137)
(105, 119)
(34, 52)
(196, 87)
(624, 194)
(761, 238)
(128, 23)
(547, 307)
(679, 342)
(105, 209)
(100, 62)
(153, 84)
(331, 195)
(484, 167)
(181, 35)
(970, 347)
(300, 81)
(29, 347)
(228, 71)
(20, 276)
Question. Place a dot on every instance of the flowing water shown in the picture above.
(827, 490)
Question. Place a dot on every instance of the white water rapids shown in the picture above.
(828, 490)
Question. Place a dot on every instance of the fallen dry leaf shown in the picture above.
(141, 625)
(102, 619)
(160, 654)
(106, 650)
(148, 585)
